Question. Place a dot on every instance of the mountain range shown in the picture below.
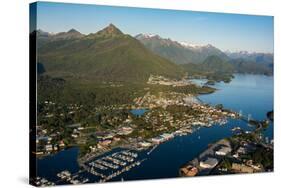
(179, 52)
(187, 54)
(111, 55)
(107, 55)
(262, 58)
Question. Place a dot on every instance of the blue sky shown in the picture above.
(226, 31)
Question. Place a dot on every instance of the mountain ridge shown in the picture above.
(173, 51)
(178, 52)
(107, 55)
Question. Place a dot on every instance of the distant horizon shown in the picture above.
(227, 32)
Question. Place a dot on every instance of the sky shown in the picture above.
(234, 32)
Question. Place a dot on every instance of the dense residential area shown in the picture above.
(105, 126)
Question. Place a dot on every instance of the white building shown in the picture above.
(223, 151)
(145, 144)
(209, 163)
(167, 136)
(49, 147)
(125, 131)
(157, 140)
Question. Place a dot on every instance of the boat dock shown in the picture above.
(110, 166)
(152, 149)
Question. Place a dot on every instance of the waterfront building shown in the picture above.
(157, 140)
(209, 163)
(188, 171)
(61, 144)
(167, 136)
(49, 147)
(223, 151)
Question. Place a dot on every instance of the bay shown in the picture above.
(250, 94)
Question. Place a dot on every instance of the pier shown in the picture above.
(110, 166)
(152, 149)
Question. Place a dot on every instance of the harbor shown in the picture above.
(164, 159)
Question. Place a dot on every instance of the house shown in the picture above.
(61, 144)
(55, 148)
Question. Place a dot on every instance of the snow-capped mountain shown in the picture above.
(190, 45)
(195, 47)
(146, 36)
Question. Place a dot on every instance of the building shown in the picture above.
(108, 136)
(49, 147)
(61, 144)
(125, 131)
(105, 142)
(209, 163)
(116, 139)
(38, 152)
(241, 150)
(80, 128)
(157, 140)
(223, 151)
(188, 171)
(167, 136)
(242, 168)
(145, 144)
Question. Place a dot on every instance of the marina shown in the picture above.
(113, 165)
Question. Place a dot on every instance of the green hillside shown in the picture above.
(247, 66)
(213, 68)
(108, 55)
(216, 64)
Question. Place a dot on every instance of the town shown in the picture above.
(150, 120)
(166, 114)
(161, 80)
